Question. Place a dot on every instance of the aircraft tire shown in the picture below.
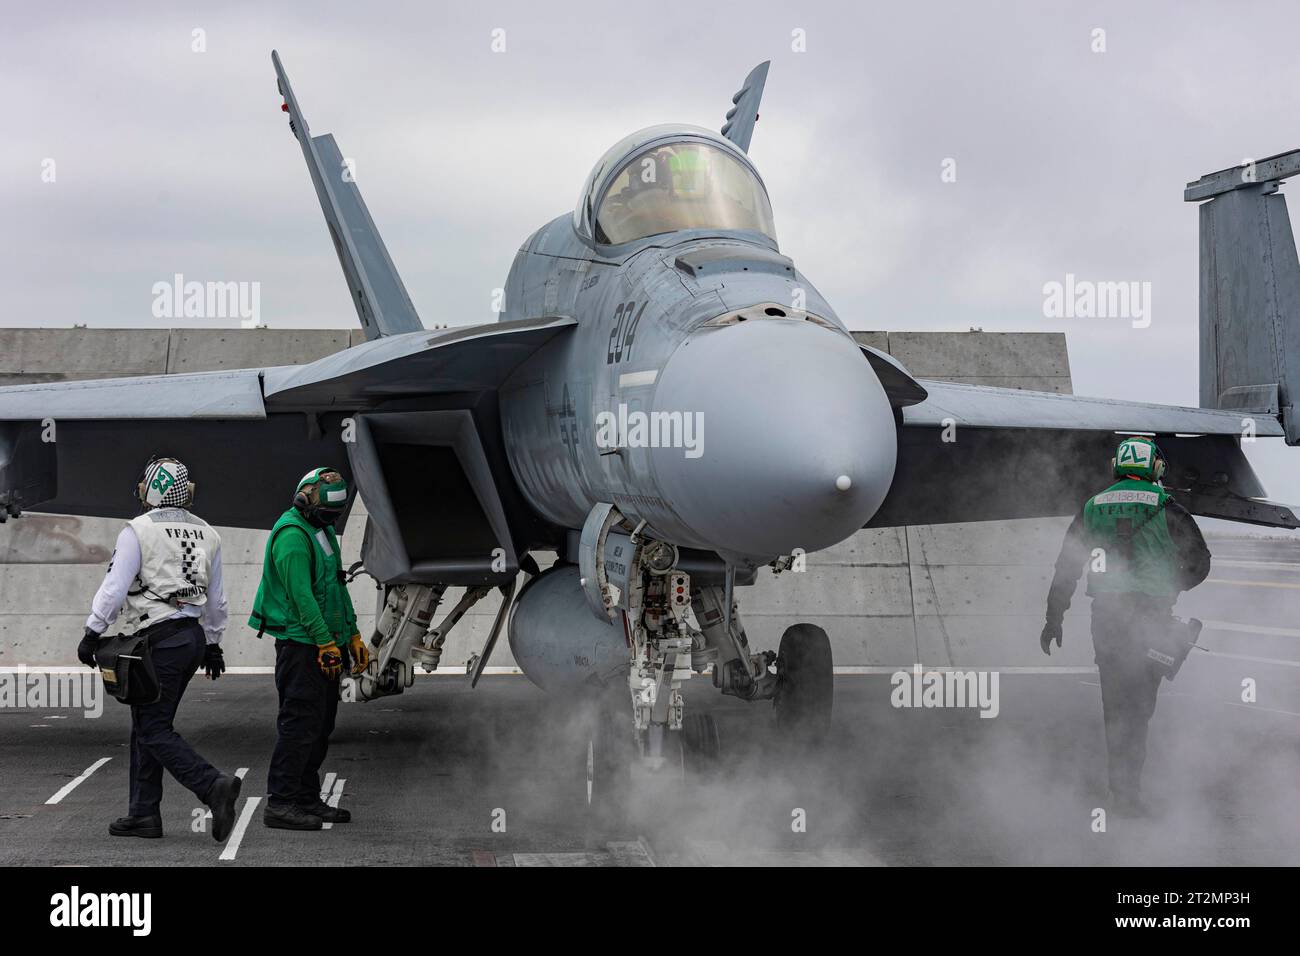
(806, 684)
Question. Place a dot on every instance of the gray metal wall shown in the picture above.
(946, 594)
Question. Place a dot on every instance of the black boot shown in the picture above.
(327, 813)
(149, 827)
(282, 817)
(221, 799)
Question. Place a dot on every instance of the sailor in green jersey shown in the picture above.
(303, 601)
(1142, 549)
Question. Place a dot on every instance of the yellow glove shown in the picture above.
(360, 653)
(330, 659)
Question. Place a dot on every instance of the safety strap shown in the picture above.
(1127, 540)
(1159, 508)
(143, 589)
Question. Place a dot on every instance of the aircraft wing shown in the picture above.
(247, 435)
(987, 407)
(463, 359)
(975, 453)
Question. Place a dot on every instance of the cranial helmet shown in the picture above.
(321, 496)
(1139, 458)
(165, 483)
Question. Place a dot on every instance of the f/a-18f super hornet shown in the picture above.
(668, 406)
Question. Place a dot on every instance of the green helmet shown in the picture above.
(1139, 458)
(321, 495)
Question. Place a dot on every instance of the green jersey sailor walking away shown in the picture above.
(1143, 548)
(304, 603)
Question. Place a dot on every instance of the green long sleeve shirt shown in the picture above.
(302, 596)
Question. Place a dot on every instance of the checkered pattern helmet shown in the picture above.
(165, 484)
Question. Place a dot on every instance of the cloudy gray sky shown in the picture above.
(1068, 160)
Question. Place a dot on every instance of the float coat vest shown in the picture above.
(176, 553)
(276, 609)
(1129, 522)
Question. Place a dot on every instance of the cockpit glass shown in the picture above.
(682, 186)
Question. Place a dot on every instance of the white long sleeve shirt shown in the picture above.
(122, 571)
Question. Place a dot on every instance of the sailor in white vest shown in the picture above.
(164, 580)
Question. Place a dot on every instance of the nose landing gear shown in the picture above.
(627, 574)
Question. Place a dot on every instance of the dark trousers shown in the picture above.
(155, 744)
(309, 704)
(1121, 628)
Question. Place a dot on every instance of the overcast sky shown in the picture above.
(1068, 160)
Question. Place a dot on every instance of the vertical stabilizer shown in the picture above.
(1250, 291)
(739, 127)
(380, 298)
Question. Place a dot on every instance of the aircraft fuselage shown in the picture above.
(708, 389)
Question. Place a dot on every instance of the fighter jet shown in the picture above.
(668, 407)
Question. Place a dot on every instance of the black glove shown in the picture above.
(86, 649)
(214, 662)
(1051, 632)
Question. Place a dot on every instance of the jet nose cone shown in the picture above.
(796, 446)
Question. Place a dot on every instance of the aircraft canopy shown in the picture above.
(682, 185)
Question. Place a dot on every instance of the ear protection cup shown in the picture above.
(1158, 467)
(139, 482)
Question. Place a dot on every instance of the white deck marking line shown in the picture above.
(1213, 700)
(452, 670)
(1263, 565)
(1253, 584)
(856, 671)
(71, 785)
(333, 801)
(237, 834)
(845, 670)
(327, 786)
(1253, 660)
(1271, 710)
(1251, 628)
